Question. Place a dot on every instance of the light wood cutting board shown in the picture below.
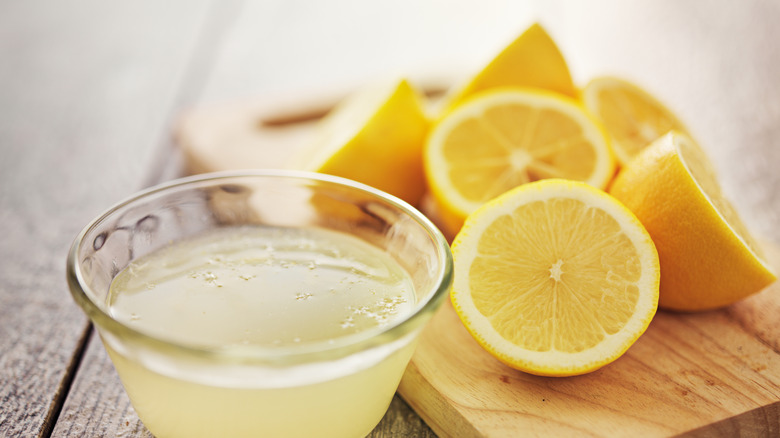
(707, 374)
(718, 372)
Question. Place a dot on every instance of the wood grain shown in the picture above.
(97, 404)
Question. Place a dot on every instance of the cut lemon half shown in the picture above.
(555, 278)
(375, 137)
(708, 257)
(507, 137)
(531, 60)
(632, 117)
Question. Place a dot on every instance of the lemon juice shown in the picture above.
(266, 289)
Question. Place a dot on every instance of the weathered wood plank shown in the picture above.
(85, 88)
(97, 405)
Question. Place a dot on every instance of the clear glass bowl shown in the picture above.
(340, 389)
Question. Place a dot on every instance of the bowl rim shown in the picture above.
(313, 352)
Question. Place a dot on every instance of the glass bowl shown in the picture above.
(340, 386)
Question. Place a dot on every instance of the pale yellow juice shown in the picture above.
(275, 289)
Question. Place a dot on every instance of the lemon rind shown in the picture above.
(676, 139)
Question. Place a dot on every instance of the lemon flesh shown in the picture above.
(555, 278)
(632, 117)
(507, 137)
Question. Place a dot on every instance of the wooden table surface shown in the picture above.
(89, 91)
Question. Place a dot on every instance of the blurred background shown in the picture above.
(90, 91)
(85, 73)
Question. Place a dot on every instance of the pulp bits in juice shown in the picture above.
(268, 287)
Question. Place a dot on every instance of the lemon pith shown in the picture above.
(555, 278)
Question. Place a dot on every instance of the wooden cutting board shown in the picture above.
(710, 374)
(706, 374)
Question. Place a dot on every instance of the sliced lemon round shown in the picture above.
(632, 117)
(708, 257)
(532, 60)
(555, 278)
(507, 137)
(375, 137)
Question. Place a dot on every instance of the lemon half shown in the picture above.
(507, 137)
(708, 257)
(555, 278)
(375, 137)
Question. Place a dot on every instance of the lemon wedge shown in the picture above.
(375, 137)
(708, 257)
(532, 60)
(632, 116)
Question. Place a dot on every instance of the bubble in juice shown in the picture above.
(262, 286)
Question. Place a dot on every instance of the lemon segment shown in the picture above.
(632, 117)
(507, 137)
(531, 60)
(375, 137)
(708, 257)
(555, 278)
